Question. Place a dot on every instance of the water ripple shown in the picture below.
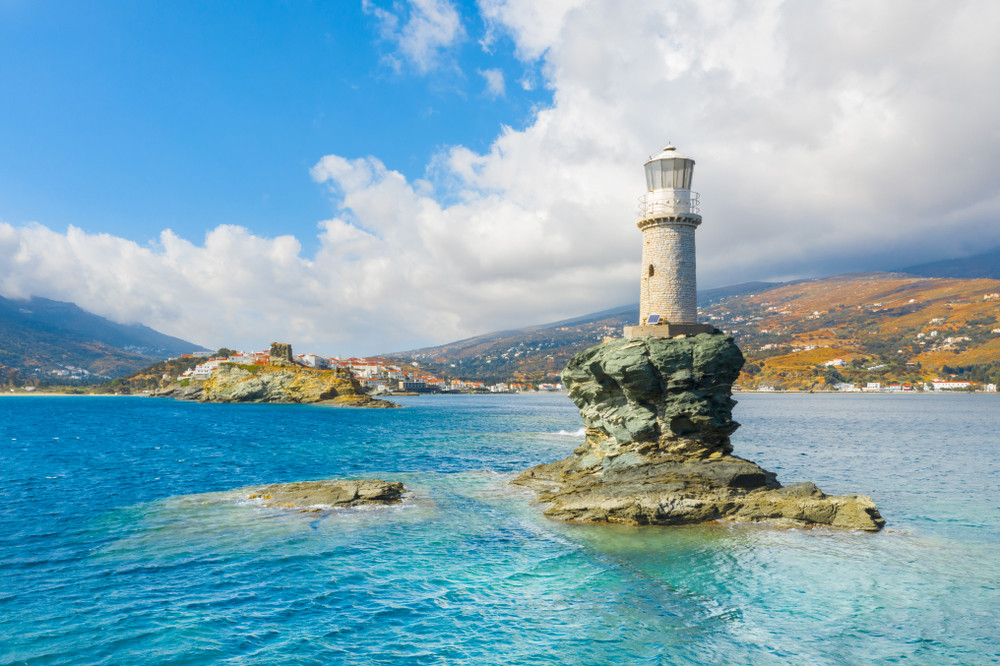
(137, 551)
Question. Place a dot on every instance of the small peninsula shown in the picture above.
(658, 417)
(281, 380)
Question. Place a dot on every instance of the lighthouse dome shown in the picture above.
(669, 170)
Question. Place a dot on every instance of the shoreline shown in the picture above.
(45, 394)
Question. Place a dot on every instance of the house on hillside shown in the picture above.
(313, 361)
(949, 385)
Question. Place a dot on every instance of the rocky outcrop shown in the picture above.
(314, 496)
(276, 384)
(658, 417)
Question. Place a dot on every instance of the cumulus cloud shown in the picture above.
(495, 85)
(829, 137)
(814, 126)
(422, 30)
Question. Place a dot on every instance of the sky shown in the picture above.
(368, 176)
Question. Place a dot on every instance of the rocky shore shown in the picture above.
(275, 384)
(658, 418)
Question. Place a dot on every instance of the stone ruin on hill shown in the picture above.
(281, 354)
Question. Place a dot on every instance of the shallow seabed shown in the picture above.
(120, 543)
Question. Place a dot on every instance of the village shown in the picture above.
(896, 387)
(380, 377)
(376, 376)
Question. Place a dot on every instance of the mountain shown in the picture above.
(883, 326)
(539, 353)
(985, 265)
(45, 341)
(533, 354)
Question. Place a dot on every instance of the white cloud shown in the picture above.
(422, 30)
(495, 85)
(534, 26)
(829, 137)
(814, 126)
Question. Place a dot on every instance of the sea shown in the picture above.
(122, 540)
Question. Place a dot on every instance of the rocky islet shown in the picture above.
(658, 419)
(282, 381)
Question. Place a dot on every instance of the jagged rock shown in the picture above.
(281, 354)
(658, 416)
(675, 393)
(235, 383)
(317, 495)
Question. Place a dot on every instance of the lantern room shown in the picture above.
(669, 171)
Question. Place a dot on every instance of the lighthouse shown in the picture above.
(668, 217)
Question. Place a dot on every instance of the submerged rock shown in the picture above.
(317, 495)
(658, 416)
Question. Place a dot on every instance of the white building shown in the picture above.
(949, 385)
(313, 361)
(204, 370)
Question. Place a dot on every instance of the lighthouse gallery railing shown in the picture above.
(655, 204)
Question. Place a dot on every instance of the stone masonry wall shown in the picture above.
(671, 290)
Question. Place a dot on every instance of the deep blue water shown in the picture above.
(120, 543)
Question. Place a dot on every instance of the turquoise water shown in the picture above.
(119, 543)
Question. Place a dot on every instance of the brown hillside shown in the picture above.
(886, 327)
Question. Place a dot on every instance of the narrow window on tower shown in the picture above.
(651, 270)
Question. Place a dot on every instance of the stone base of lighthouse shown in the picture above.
(667, 330)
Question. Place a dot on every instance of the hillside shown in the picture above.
(50, 342)
(885, 326)
(157, 376)
(539, 353)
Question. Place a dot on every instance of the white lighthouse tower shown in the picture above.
(668, 217)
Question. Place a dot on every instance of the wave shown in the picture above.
(574, 433)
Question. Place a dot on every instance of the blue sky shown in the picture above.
(367, 176)
(128, 118)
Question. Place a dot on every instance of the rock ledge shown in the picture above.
(315, 496)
